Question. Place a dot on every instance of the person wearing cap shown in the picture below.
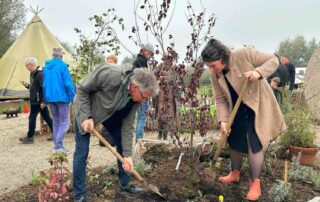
(58, 92)
(141, 61)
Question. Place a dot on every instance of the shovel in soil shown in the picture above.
(135, 173)
(208, 147)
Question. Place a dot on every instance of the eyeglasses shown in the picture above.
(142, 97)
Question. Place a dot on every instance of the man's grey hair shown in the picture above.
(146, 81)
(148, 47)
(31, 60)
(57, 52)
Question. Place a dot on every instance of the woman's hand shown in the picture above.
(128, 166)
(252, 75)
(224, 128)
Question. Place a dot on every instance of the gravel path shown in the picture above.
(18, 160)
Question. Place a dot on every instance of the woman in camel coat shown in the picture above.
(258, 120)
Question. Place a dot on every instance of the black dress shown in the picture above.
(242, 128)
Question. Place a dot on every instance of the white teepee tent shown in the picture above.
(36, 41)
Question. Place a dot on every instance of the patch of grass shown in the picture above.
(35, 180)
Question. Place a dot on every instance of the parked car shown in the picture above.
(300, 71)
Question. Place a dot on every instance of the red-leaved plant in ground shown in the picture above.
(54, 184)
(156, 17)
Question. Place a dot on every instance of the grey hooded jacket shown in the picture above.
(100, 94)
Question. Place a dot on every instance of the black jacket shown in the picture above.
(35, 88)
(140, 61)
(283, 74)
(292, 75)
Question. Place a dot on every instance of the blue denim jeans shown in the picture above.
(81, 155)
(142, 119)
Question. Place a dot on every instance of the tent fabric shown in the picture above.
(35, 41)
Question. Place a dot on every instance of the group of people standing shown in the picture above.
(51, 87)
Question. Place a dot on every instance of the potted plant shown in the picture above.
(300, 135)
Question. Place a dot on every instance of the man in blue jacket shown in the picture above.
(58, 92)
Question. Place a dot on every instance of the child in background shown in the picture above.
(275, 81)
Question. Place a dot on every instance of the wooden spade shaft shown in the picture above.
(134, 172)
(230, 121)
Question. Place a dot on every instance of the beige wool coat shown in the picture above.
(269, 122)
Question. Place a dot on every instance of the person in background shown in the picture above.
(281, 72)
(278, 91)
(254, 126)
(111, 59)
(59, 92)
(141, 61)
(36, 99)
(292, 71)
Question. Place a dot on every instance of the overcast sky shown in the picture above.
(262, 23)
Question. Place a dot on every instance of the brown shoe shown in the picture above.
(26, 140)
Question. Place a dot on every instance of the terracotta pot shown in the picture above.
(308, 155)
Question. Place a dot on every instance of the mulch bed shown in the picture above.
(176, 185)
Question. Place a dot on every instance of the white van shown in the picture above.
(300, 71)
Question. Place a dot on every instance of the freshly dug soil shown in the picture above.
(181, 185)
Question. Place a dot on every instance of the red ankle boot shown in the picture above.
(232, 177)
(254, 191)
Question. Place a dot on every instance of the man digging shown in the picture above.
(110, 95)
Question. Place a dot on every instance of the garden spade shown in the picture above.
(134, 172)
(209, 147)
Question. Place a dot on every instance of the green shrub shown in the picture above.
(141, 166)
(279, 191)
(316, 180)
(298, 172)
(300, 125)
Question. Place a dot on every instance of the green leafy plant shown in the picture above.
(94, 178)
(298, 172)
(141, 166)
(35, 179)
(279, 191)
(108, 184)
(300, 122)
(316, 180)
(90, 51)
